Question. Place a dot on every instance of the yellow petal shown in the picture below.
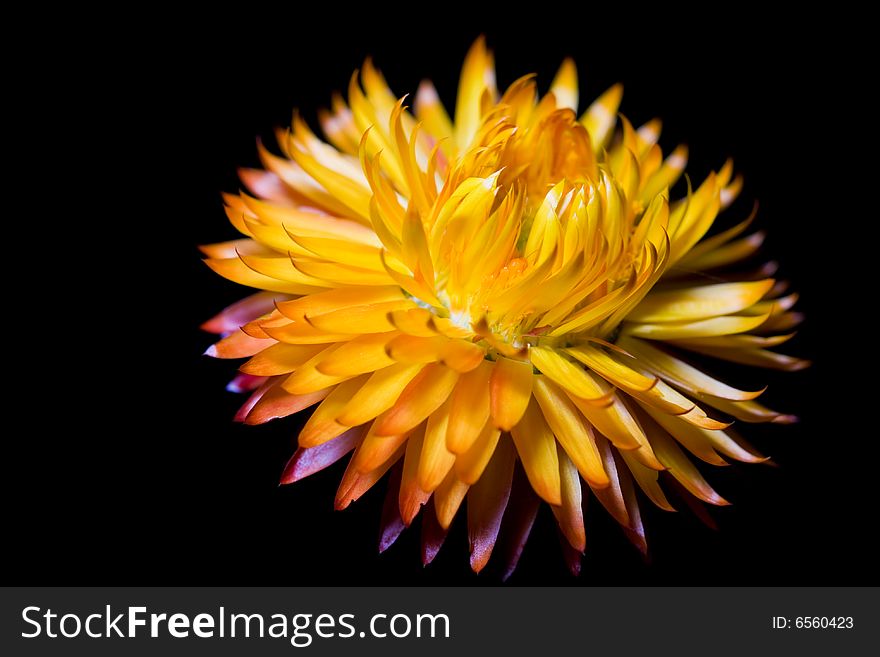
(339, 299)
(365, 353)
(477, 76)
(749, 411)
(619, 426)
(566, 374)
(571, 429)
(280, 359)
(666, 176)
(233, 248)
(680, 467)
(358, 255)
(416, 322)
(448, 498)
(697, 329)
(301, 332)
(237, 271)
(333, 274)
(322, 425)
(755, 357)
(600, 117)
(310, 223)
(432, 114)
(417, 349)
(424, 395)
(565, 85)
(283, 269)
(461, 355)
(647, 479)
(470, 465)
(612, 370)
(695, 439)
(351, 193)
(436, 460)
(536, 447)
(699, 302)
(469, 409)
(681, 374)
(570, 514)
(727, 254)
(378, 394)
(306, 378)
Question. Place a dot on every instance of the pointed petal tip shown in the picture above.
(211, 351)
(387, 539)
(785, 419)
(479, 559)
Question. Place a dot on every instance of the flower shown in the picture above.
(498, 309)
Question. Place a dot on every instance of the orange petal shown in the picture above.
(277, 402)
(307, 378)
(358, 319)
(436, 460)
(470, 465)
(238, 345)
(510, 388)
(412, 497)
(365, 353)
(354, 483)
(424, 395)
(469, 408)
(376, 449)
(339, 299)
(280, 359)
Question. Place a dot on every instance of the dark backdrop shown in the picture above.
(143, 478)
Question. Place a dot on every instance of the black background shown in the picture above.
(133, 471)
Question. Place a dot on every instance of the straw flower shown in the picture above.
(503, 309)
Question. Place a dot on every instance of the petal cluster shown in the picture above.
(502, 308)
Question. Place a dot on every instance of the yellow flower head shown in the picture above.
(514, 286)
